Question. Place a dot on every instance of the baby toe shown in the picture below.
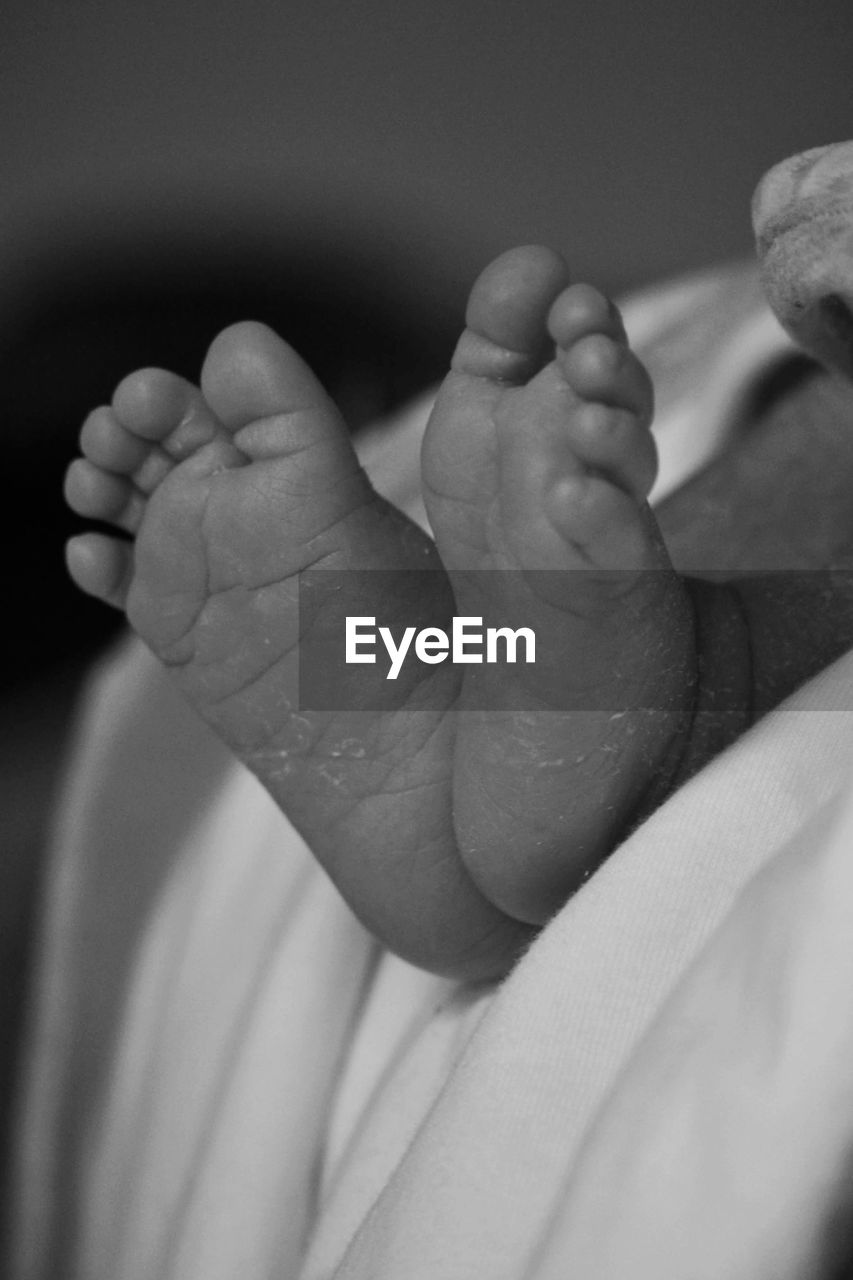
(106, 443)
(603, 524)
(581, 310)
(615, 441)
(151, 402)
(100, 495)
(601, 368)
(170, 415)
(101, 566)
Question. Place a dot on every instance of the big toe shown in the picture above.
(250, 373)
(506, 333)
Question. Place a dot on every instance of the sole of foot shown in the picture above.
(537, 463)
(219, 497)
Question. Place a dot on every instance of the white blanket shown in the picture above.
(227, 1077)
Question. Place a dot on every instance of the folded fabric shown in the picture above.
(724, 1148)
(228, 1077)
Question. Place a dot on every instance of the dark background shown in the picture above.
(341, 171)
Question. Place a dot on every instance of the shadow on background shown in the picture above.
(85, 318)
(99, 313)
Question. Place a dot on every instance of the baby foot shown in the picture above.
(227, 493)
(538, 457)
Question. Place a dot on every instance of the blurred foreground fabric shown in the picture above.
(226, 1076)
